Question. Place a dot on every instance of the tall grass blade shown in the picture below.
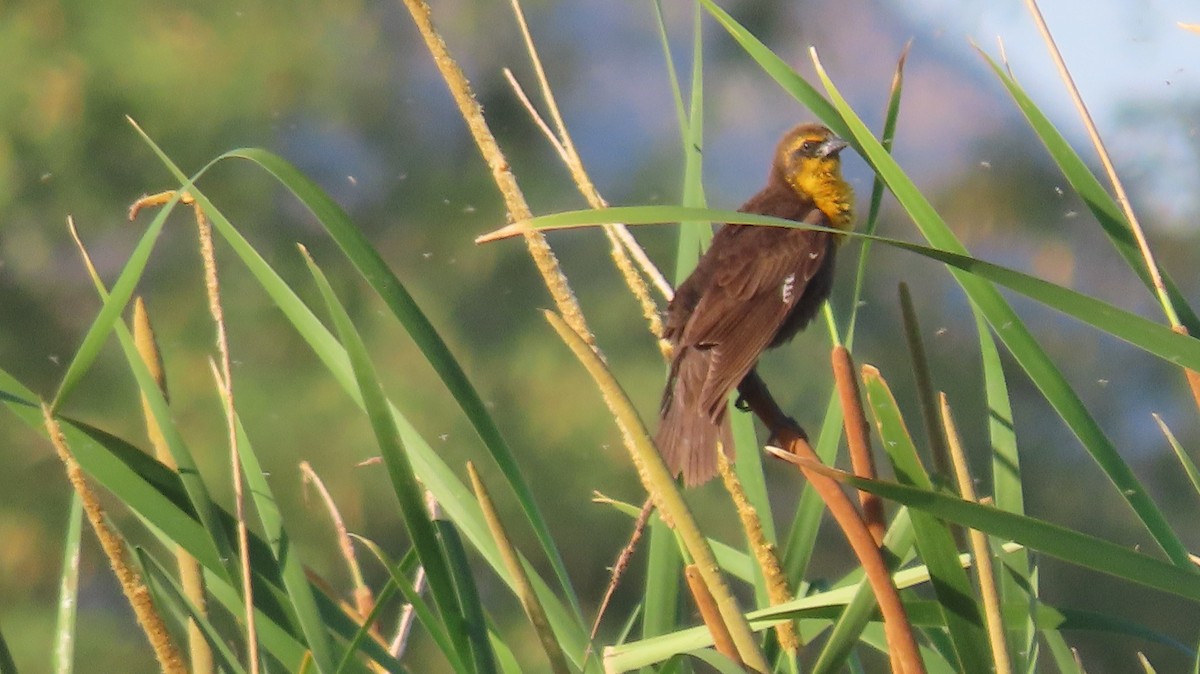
(404, 482)
(63, 655)
(890, 116)
(424, 612)
(1016, 583)
(170, 591)
(1185, 461)
(115, 302)
(468, 597)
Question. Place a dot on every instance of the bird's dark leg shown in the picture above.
(740, 403)
(754, 396)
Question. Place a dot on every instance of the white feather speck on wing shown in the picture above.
(786, 290)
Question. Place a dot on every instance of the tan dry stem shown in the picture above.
(711, 615)
(979, 546)
(1109, 169)
(514, 200)
(1160, 288)
(618, 245)
(618, 569)
(858, 438)
(765, 552)
(524, 589)
(223, 374)
(1003, 56)
(408, 615)
(224, 381)
(618, 234)
(169, 658)
(660, 484)
(364, 599)
(622, 244)
(191, 576)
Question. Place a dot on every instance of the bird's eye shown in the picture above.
(807, 149)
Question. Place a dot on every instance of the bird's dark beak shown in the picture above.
(832, 146)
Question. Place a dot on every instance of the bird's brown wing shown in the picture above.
(755, 285)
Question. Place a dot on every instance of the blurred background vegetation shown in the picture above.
(346, 91)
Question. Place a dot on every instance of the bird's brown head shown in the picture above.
(807, 159)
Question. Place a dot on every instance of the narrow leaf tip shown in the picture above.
(506, 232)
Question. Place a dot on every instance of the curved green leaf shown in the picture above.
(1154, 338)
(376, 272)
(453, 496)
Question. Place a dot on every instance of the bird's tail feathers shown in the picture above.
(688, 433)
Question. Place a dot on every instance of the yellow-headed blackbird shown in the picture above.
(754, 289)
